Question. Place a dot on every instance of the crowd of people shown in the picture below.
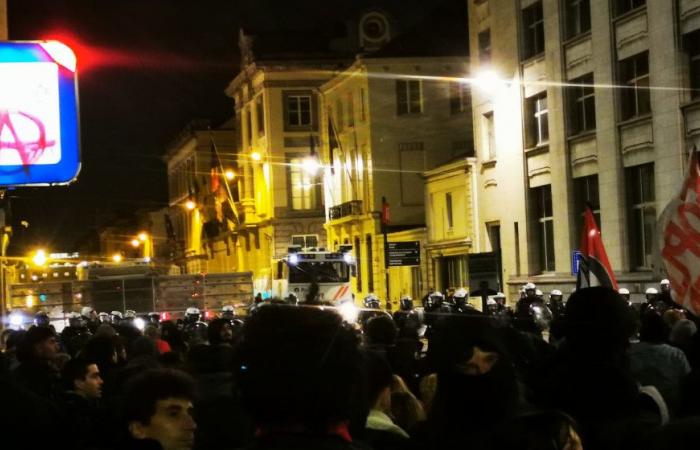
(592, 372)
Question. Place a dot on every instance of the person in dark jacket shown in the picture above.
(80, 402)
(36, 370)
(300, 378)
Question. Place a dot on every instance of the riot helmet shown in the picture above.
(228, 312)
(624, 293)
(665, 286)
(651, 294)
(192, 314)
(406, 303)
(460, 297)
(371, 301)
(75, 320)
(41, 319)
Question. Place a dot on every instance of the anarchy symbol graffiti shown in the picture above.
(29, 152)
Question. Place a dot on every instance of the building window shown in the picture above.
(351, 110)
(489, 139)
(634, 73)
(642, 215)
(623, 6)
(541, 200)
(692, 46)
(358, 263)
(249, 125)
(305, 240)
(578, 17)
(537, 121)
(533, 29)
(448, 210)
(408, 97)
(259, 109)
(586, 194)
(370, 263)
(581, 105)
(298, 110)
(303, 187)
(459, 98)
(485, 47)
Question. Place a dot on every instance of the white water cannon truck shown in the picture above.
(302, 268)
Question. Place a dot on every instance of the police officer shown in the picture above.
(194, 330)
(41, 319)
(461, 303)
(228, 312)
(625, 294)
(115, 317)
(665, 294)
(75, 335)
(103, 317)
(556, 303)
(406, 313)
(154, 318)
(90, 319)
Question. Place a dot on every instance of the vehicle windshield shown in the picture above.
(321, 271)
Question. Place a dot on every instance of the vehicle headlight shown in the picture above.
(348, 312)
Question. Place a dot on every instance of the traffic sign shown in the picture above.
(39, 138)
(575, 262)
(403, 253)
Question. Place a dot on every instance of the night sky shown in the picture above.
(146, 69)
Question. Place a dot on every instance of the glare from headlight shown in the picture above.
(348, 312)
(16, 320)
(139, 323)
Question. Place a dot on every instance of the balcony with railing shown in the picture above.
(351, 208)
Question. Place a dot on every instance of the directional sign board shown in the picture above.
(39, 138)
(403, 253)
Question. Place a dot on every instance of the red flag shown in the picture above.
(680, 243)
(386, 214)
(214, 164)
(594, 269)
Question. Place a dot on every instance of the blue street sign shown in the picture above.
(575, 262)
(39, 136)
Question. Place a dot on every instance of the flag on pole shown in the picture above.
(680, 239)
(214, 166)
(594, 269)
(228, 208)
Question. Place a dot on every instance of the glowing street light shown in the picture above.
(311, 165)
(143, 236)
(230, 174)
(117, 257)
(190, 205)
(135, 243)
(256, 156)
(488, 81)
(39, 258)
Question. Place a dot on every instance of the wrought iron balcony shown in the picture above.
(351, 208)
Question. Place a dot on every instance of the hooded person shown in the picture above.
(301, 379)
(476, 383)
(589, 377)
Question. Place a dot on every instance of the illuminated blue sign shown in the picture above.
(39, 136)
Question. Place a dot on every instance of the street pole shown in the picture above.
(385, 225)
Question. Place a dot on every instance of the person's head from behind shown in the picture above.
(653, 328)
(38, 343)
(542, 430)
(300, 367)
(159, 407)
(598, 323)
(83, 378)
(381, 330)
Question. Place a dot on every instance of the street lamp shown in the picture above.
(190, 205)
(311, 165)
(135, 243)
(117, 258)
(256, 156)
(230, 175)
(143, 236)
(39, 258)
(487, 80)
